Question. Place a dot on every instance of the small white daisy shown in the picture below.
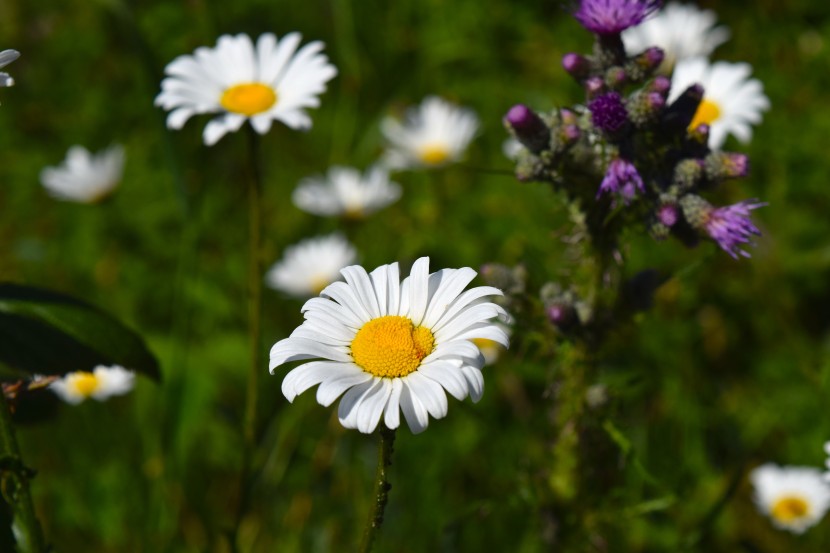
(794, 498)
(681, 30)
(392, 346)
(6, 57)
(311, 265)
(273, 81)
(346, 192)
(434, 134)
(732, 102)
(84, 177)
(102, 383)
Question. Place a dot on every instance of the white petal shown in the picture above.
(372, 406)
(451, 284)
(392, 413)
(297, 349)
(430, 393)
(462, 302)
(475, 380)
(310, 374)
(448, 375)
(331, 389)
(347, 410)
(413, 410)
(418, 290)
(360, 282)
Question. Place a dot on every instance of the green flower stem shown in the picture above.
(381, 489)
(14, 482)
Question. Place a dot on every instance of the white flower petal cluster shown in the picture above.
(100, 384)
(310, 265)
(389, 346)
(434, 134)
(6, 57)
(345, 192)
(84, 177)
(794, 498)
(272, 81)
(681, 30)
(732, 101)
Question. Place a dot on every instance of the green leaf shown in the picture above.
(51, 333)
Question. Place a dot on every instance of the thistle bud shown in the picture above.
(695, 210)
(687, 174)
(660, 85)
(616, 78)
(594, 86)
(562, 315)
(726, 165)
(576, 65)
(528, 128)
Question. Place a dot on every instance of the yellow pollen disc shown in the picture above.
(391, 346)
(85, 383)
(433, 154)
(790, 509)
(707, 112)
(249, 98)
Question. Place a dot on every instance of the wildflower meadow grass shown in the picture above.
(524, 282)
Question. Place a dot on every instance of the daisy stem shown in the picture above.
(381, 489)
(15, 490)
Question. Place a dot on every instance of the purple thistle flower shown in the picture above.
(611, 17)
(668, 215)
(608, 112)
(621, 178)
(731, 227)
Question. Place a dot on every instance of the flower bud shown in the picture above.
(528, 128)
(687, 174)
(608, 113)
(576, 65)
(594, 86)
(726, 165)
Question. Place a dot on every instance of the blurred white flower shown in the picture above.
(732, 101)
(392, 346)
(681, 30)
(794, 498)
(102, 383)
(344, 191)
(311, 265)
(434, 134)
(240, 82)
(84, 177)
(6, 57)
(511, 148)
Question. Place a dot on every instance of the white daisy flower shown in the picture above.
(732, 102)
(311, 265)
(346, 192)
(392, 346)
(6, 57)
(435, 133)
(795, 498)
(102, 383)
(681, 30)
(85, 177)
(240, 82)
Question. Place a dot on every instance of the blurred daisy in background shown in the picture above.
(102, 383)
(732, 101)
(345, 192)
(84, 177)
(272, 81)
(681, 30)
(511, 148)
(794, 498)
(434, 134)
(311, 265)
(392, 346)
(6, 57)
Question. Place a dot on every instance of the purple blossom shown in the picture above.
(668, 215)
(610, 17)
(621, 178)
(731, 227)
(608, 112)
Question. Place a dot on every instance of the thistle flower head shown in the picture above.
(621, 178)
(609, 17)
(608, 112)
(730, 226)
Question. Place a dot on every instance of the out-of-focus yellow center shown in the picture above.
(391, 346)
(85, 383)
(707, 112)
(317, 284)
(789, 509)
(248, 98)
(433, 154)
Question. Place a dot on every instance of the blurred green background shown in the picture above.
(729, 370)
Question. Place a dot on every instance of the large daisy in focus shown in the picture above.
(100, 384)
(311, 265)
(681, 30)
(6, 57)
(392, 346)
(732, 101)
(272, 81)
(794, 498)
(344, 191)
(434, 134)
(84, 177)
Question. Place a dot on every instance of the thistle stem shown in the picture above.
(381, 489)
(14, 481)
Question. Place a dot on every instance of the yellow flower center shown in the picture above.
(707, 112)
(434, 154)
(391, 346)
(85, 383)
(248, 98)
(789, 509)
